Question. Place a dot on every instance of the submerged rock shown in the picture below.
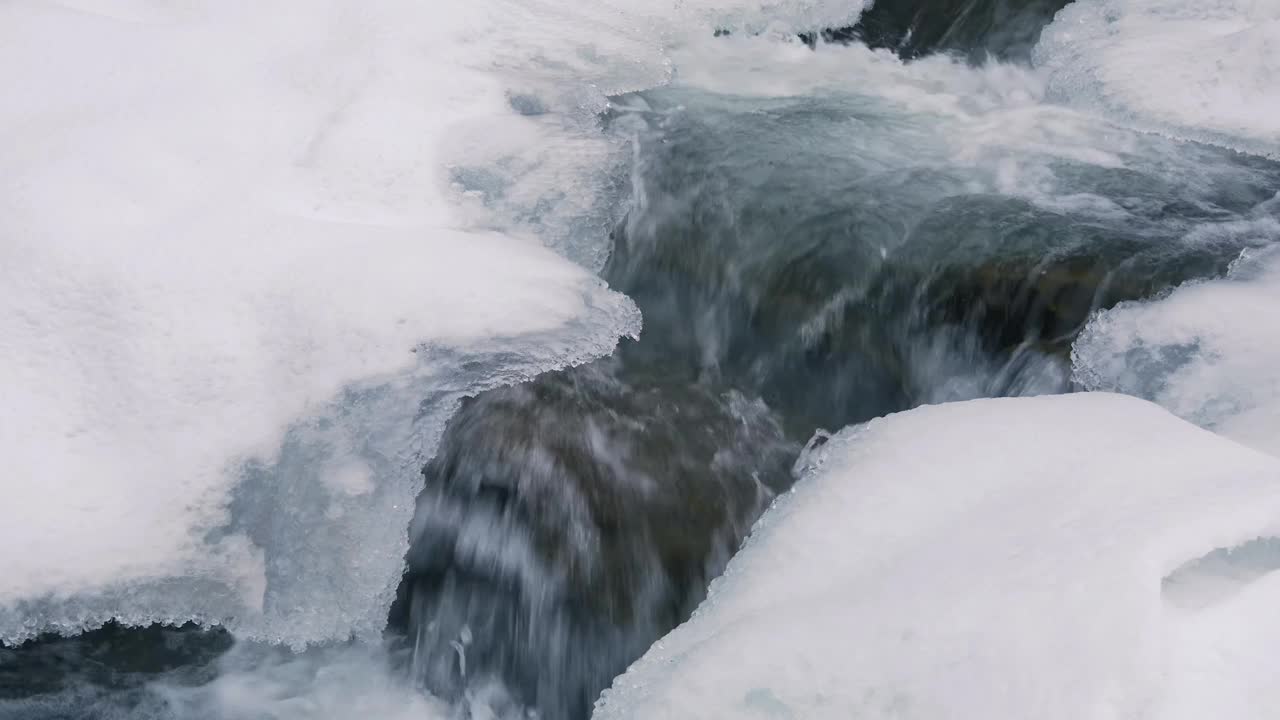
(901, 282)
(569, 521)
(1018, 274)
(977, 29)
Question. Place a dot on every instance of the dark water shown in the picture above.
(106, 673)
(802, 262)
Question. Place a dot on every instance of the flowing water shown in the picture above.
(801, 263)
(816, 234)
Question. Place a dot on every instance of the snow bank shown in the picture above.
(1197, 70)
(238, 307)
(1208, 352)
(987, 559)
(251, 255)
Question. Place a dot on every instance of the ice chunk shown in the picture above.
(985, 559)
(1209, 351)
(1201, 70)
(237, 307)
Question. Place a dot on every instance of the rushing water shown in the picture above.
(801, 263)
(813, 241)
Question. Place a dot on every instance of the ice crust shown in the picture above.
(238, 308)
(1202, 71)
(1208, 352)
(987, 559)
(251, 256)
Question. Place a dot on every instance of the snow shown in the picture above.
(1208, 351)
(1201, 71)
(252, 255)
(992, 558)
(1223, 656)
(239, 306)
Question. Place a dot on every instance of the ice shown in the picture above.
(238, 305)
(251, 256)
(1000, 558)
(1208, 352)
(1196, 70)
